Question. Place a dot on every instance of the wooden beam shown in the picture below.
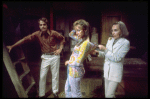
(51, 18)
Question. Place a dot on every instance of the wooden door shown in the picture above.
(107, 22)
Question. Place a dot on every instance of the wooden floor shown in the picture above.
(92, 85)
(134, 85)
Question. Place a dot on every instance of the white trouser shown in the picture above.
(110, 88)
(52, 62)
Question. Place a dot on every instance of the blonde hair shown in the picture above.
(81, 22)
(84, 24)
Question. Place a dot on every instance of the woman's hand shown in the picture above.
(66, 63)
(102, 47)
(94, 52)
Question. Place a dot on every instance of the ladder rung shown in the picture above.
(21, 58)
(25, 73)
(28, 89)
(18, 60)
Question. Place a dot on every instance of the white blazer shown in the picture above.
(114, 58)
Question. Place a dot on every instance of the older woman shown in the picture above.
(75, 63)
(116, 48)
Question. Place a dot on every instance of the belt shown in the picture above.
(52, 53)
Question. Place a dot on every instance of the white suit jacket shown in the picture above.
(114, 58)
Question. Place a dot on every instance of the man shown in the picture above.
(50, 54)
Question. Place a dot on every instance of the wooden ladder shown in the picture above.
(18, 71)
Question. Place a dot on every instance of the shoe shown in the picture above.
(55, 95)
(42, 97)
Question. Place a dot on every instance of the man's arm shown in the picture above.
(16, 44)
(62, 42)
(22, 41)
(59, 50)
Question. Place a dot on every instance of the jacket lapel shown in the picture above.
(118, 43)
(110, 44)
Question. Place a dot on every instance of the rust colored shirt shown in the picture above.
(49, 43)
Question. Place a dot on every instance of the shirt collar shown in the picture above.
(48, 31)
(117, 39)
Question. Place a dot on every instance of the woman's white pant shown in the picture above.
(49, 62)
(110, 88)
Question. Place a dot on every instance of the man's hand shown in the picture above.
(66, 63)
(9, 48)
(57, 52)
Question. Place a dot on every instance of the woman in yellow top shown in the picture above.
(75, 63)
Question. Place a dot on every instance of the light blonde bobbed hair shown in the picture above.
(123, 28)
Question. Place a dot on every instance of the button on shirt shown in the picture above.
(48, 44)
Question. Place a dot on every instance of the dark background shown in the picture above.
(24, 15)
(20, 19)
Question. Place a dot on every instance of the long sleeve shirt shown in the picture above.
(48, 44)
(80, 52)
